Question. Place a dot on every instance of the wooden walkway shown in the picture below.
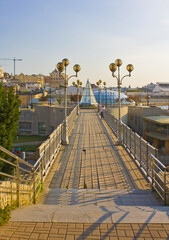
(93, 161)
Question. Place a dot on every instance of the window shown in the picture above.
(24, 125)
(41, 128)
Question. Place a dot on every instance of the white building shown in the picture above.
(161, 89)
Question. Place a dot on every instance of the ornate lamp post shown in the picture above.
(113, 67)
(78, 84)
(105, 91)
(99, 88)
(148, 99)
(61, 66)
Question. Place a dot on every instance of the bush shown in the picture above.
(5, 215)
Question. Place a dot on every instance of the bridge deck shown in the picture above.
(93, 161)
(93, 170)
(94, 190)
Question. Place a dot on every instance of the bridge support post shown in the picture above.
(134, 146)
(130, 140)
(34, 186)
(152, 174)
(140, 150)
(165, 188)
(41, 164)
(147, 157)
(17, 182)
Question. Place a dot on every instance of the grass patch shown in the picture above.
(5, 215)
(25, 138)
(27, 148)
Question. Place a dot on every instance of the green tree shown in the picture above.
(9, 117)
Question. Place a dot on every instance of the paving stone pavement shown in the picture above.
(94, 190)
(80, 231)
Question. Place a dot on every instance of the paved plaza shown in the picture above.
(94, 190)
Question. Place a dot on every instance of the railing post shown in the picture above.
(123, 134)
(116, 126)
(156, 152)
(147, 157)
(41, 163)
(152, 173)
(34, 186)
(140, 149)
(17, 182)
(126, 135)
(130, 141)
(53, 141)
(134, 146)
(165, 187)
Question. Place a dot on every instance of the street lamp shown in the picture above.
(113, 67)
(61, 66)
(105, 93)
(148, 99)
(99, 88)
(78, 84)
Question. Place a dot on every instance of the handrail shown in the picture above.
(145, 156)
(38, 160)
(6, 161)
(26, 182)
(14, 156)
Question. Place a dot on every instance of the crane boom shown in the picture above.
(12, 59)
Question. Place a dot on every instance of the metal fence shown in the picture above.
(25, 181)
(18, 186)
(145, 155)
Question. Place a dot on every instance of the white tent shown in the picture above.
(88, 97)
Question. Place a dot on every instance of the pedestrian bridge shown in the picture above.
(92, 180)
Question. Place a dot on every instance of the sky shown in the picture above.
(92, 33)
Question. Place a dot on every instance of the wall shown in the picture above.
(136, 114)
(115, 112)
(41, 120)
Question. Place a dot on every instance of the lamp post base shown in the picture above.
(65, 140)
(119, 142)
(119, 135)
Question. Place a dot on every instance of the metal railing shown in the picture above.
(18, 186)
(160, 179)
(145, 155)
(25, 181)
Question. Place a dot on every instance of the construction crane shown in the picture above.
(12, 59)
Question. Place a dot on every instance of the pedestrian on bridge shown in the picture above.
(102, 112)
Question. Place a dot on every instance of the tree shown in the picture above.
(9, 117)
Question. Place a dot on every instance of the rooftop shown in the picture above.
(158, 119)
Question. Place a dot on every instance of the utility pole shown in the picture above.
(12, 59)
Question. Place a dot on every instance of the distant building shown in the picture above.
(1, 72)
(161, 89)
(26, 98)
(152, 123)
(71, 90)
(29, 86)
(56, 79)
(30, 80)
(150, 86)
(42, 120)
(156, 131)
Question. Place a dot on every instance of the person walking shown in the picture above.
(23, 155)
(102, 112)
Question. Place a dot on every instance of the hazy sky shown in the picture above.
(92, 33)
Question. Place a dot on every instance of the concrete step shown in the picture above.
(91, 214)
(85, 197)
(95, 206)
